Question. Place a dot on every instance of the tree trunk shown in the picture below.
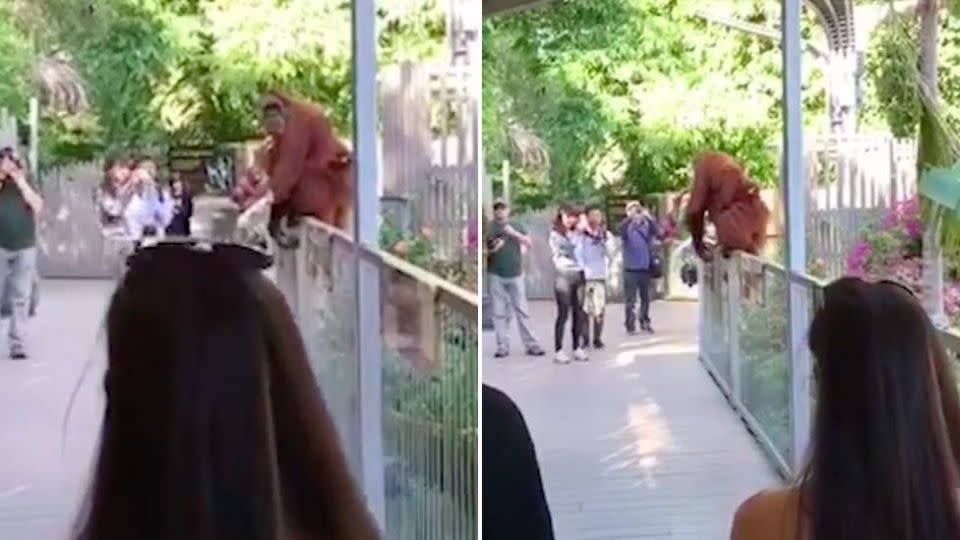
(930, 153)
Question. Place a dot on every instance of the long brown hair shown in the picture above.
(109, 185)
(886, 441)
(214, 428)
(564, 209)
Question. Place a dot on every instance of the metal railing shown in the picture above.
(744, 346)
(429, 357)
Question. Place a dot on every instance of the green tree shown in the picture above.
(163, 72)
(625, 93)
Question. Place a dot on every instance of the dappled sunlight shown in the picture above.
(647, 436)
(630, 356)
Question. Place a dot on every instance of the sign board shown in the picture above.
(204, 169)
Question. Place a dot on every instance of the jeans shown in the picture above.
(636, 281)
(17, 272)
(569, 289)
(509, 297)
(594, 305)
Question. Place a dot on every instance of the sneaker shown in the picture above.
(597, 344)
(561, 357)
(18, 353)
(535, 350)
(631, 331)
(580, 355)
(647, 328)
(501, 353)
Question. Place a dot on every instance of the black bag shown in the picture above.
(656, 262)
(656, 265)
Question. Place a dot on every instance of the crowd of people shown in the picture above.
(581, 248)
(134, 203)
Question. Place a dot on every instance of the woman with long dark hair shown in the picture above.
(886, 438)
(214, 428)
(182, 213)
(569, 282)
(113, 193)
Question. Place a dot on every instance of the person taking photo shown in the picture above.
(19, 205)
(503, 243)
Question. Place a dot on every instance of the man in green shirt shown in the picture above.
(502, 244)
(19, 205)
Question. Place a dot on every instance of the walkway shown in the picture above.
(43, 458)
(638, 442)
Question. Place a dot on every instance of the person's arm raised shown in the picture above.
(520, 235)
(30, 195)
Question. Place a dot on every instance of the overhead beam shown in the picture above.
(755, 29)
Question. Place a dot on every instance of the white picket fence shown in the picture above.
(852, 181)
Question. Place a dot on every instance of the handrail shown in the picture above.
(744, 347)
(427, 399)
(443, 287)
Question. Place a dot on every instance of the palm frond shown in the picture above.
(62, 86)
(528, 149)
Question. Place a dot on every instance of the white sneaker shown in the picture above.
(580, 355)
(561, 357)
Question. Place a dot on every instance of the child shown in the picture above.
(595, 252)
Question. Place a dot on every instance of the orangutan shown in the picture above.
(310, 169)
(722, 190)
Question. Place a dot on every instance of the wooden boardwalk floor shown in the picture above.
(47, 443)
(637, 443)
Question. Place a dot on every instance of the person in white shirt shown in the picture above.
(595, 254)
(149, 210)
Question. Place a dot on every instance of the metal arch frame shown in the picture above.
(837, 17)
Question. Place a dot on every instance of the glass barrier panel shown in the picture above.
(326, 302)
(716, 351)
(764, 358)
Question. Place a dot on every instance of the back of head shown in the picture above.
(884, 461)
(206, 434)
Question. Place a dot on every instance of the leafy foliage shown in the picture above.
(165, 72)
(625, 93)
(891, 67)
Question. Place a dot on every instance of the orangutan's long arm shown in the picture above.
(697, 207)
(290, 162)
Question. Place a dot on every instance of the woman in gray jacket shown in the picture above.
(569, 283)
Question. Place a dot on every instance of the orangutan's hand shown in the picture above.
(705, 254)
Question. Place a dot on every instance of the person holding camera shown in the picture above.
(503, 243)
(150, 208)
(19, 205)
(641, 264)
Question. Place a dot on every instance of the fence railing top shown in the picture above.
(460, 297)
(799, 278)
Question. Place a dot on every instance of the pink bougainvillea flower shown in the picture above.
(858, 256)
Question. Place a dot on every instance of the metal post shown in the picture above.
(34, 138)
(366, 216)
(505, 175)
(735, 270)
(795, 195)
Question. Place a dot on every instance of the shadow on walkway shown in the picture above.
(638, 442)
(44, 455)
